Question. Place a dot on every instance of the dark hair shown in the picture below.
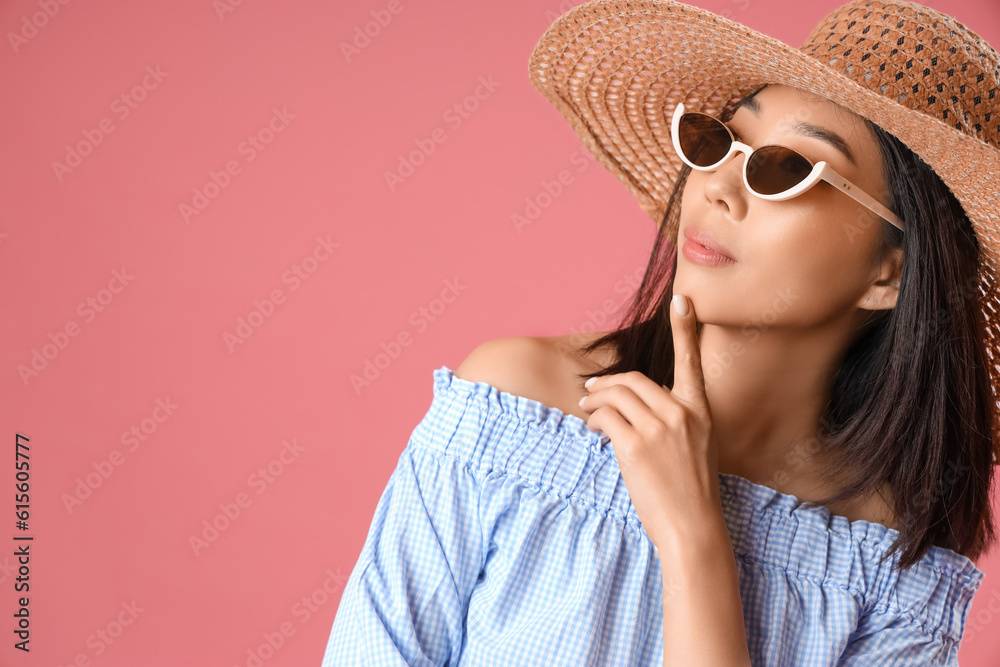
(911, 404)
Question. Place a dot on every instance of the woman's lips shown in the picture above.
(706, 239)
(699, 254)
(703, 248)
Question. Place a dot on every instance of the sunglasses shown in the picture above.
(770, 172)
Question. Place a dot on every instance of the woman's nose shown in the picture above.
(724, 187)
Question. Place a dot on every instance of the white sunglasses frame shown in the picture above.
(821, 172)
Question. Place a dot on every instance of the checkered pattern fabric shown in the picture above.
(505, 536)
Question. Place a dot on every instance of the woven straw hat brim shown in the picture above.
(616, 70)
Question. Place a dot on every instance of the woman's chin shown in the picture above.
(693, 283)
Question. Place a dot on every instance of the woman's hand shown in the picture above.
(661, 439)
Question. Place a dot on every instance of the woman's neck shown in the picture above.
(767, 397)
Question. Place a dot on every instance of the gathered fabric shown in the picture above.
(506, 536)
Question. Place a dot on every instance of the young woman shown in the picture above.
(792, 464)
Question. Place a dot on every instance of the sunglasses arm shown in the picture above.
(836, 180)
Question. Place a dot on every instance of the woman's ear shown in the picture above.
(883, 292)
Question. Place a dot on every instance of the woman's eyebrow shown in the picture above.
(828, 136)
(806, 129)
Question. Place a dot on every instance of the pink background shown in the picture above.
(119, 352)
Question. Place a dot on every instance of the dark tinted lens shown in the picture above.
(774, 169)
(704, 140)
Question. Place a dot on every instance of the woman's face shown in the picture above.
(797, 262)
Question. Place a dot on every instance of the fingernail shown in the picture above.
(680, 304)
(582, 400)
(589, 382)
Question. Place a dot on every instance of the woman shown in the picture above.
(792, 464)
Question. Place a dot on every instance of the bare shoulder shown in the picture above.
(538, 368)
(509, 364)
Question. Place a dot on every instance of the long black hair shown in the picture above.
(911, 403)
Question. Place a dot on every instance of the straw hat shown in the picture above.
(616, 70)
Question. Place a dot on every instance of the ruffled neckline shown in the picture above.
(874, 537)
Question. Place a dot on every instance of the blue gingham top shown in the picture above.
(505, 536)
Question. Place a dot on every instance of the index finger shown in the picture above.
(689, 377)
